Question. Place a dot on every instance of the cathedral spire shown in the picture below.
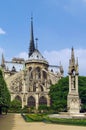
(32, 45)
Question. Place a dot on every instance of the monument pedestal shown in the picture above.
(73, 103)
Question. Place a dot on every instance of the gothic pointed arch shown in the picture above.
(41, 89)
(38, 73)
(44, 75)
(30, 72)
(30, 68)
(31, 101)
(42, 101)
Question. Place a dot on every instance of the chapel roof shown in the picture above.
(36, 55)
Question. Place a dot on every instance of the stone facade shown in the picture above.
(73, 95)
(32, 83)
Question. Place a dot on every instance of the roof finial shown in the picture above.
(36, 43)
(72, 56)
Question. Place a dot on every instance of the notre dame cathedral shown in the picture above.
(29, 80)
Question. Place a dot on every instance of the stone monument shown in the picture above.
(73, 100)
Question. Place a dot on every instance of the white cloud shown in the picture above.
(23, 55)
(2, 31)
(54, 58)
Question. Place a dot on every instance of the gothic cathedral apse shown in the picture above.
(29, 80)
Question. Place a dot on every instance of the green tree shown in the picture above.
(58, 94)
(15, 106)
(4, 94)
(82, 92)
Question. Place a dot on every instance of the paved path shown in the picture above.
(16, 122)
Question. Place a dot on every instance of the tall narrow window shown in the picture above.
(31, 101)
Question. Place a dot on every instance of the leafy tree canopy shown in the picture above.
(15, 106)
(4, 93)
(58, 94)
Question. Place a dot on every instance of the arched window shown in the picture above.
(44, 75)
(31, 101)
(38, 73)
(31, 74)
(42, 101)
(13, 69)
(30, 68)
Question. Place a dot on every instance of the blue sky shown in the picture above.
(58, 24)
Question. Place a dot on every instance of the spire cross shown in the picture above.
(31, 18)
